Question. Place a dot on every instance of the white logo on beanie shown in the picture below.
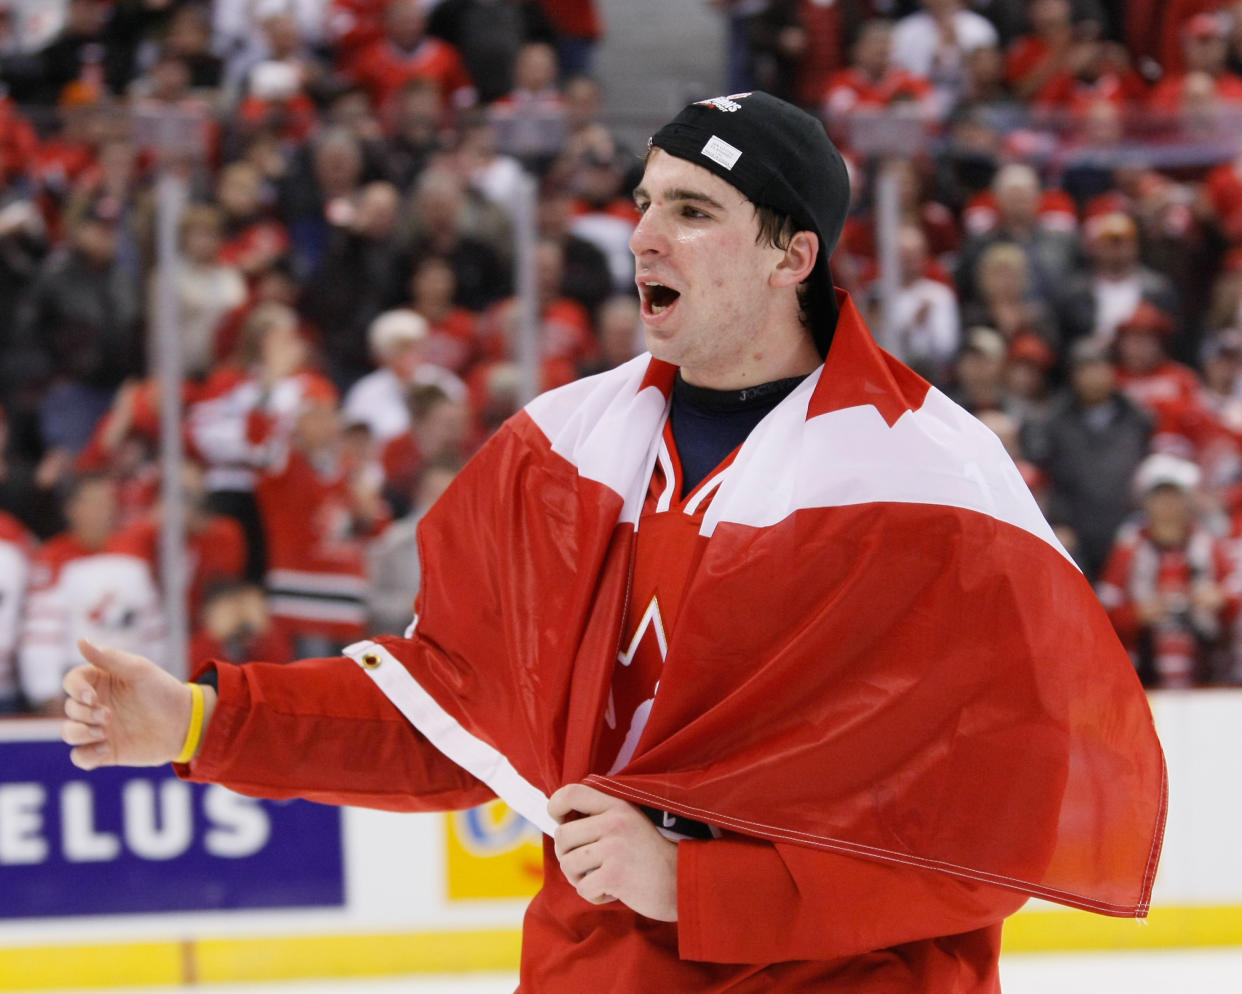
(727, 104)
(720, 151)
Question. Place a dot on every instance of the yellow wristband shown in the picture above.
(195, 731)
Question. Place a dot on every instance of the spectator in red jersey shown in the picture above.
(873, 82)
(80, 125)
(80, 588)
(252, 239)
(920, 324)
(1049, 49)
(398, 344)
(1096, 70)
(452, 331)
(1090, 447)
(17, 548)
(489, 34)
(439, 429)
(1169, 391)
(566, 338)
(1052, 254)
(1169, 585)
(207, 289)
(393, 568)
(275, 104)
(234, 626)
(215, 546)
(319, 512)
(1093, 303)
(1205, 48)
(406, 52)
(247, 411)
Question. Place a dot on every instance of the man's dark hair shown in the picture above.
(777, 230)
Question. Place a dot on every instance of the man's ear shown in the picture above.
(798, 260)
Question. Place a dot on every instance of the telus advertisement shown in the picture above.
(123, 840)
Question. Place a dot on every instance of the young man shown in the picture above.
(775, 648)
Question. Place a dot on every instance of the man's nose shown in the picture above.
(650, 237)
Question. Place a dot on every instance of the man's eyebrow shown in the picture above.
(681, 194)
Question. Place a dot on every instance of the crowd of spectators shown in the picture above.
(1069, 269)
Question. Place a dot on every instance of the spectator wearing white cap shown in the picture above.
(398, 342)
(1169, 585)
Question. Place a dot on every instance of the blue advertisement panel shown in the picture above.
(124, 840)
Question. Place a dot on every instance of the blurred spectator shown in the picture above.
(1008, 429)
(489, 34)
(393, 569)
(1095, 302)
(247, 412)
(215, 546)
(81, 51)
(443, 226)
(17, 547)
(935, 41)
(275, 106)
(873, 82)
(21, 492)
(278, 41)
(604, 213)
(415, 132)
(1028, 371)
(1090, 448)
(920, 325)
(530, 118)
(579, 27)
(234, 626)
(1096, 70)
(406, 52)
(233, 21)
(23, 246)
(357, 277)
(1049, 48)
(439, 429)
(452, 331)
(252, 239)
(619, 333)
(979, 372)
(206, 289)
(1051, 254)
(1167, 390)
(398, 344)
(1169, 585)
(319, 194)
(1005, 300)
(1205, 47)
(565, 335)
(1222, 378)
(80, 589)
(588, 279)
(78, 329)
(318, 512)
(497, 176)
(777, 43)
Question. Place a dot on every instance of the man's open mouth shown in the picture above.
(657, 297)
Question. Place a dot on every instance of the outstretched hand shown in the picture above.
(612, 852)
(123, 710)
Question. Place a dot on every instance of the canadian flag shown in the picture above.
(883, 651)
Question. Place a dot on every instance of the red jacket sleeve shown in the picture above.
(743, 900)
(321, 730)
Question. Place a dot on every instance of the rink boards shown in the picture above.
(132, 877)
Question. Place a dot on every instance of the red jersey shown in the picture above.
(1173, 395)
(1174, 650)
(316, 553)
(452, 342)
(851, 89)
(382, 68)
(1166, 96)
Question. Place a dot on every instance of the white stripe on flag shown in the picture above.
(469, 752)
